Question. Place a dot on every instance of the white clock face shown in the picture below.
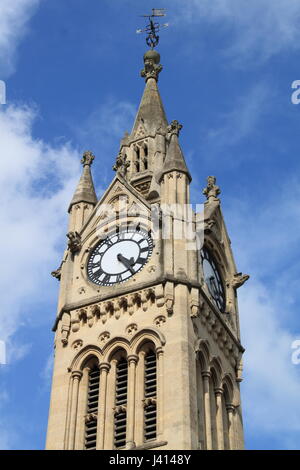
(119, 256)
(213, 279)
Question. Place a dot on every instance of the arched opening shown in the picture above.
(91, 417)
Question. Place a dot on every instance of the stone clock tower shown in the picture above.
(147, 341)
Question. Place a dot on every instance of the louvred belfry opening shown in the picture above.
(150, 397)
(121, 402)
(92, 409)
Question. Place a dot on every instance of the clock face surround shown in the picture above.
(119, 256)
(213, 279)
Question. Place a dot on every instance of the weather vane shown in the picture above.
(152, 28)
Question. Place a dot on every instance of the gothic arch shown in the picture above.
(216, 371)
(147, 335)
(112, 346)
(203, 354)
(228, 387)
(81, 358)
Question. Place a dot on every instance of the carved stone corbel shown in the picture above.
(74, 244)
(239, 279)
(65, 328)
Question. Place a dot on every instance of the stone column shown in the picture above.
(104, 369)
(219, 418)
(139, 416)
(132, 361)
(159, 392)
(76, 376)
(230, 414)
(206, 376)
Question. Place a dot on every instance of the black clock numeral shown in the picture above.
(141, 261)
(97, 273)
(106, 279)
(143, 250)
(119, 278)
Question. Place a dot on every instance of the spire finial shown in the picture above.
(87, 158)
(174, 128)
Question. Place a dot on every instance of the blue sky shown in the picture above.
(72, 74)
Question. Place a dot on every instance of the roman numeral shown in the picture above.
(106, 278)
(143, 250)
(141, 261)
(119, 278)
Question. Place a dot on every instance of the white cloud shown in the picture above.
(14, 18)
(37, 182)
(261, 28)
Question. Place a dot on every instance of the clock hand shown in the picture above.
(127, 263)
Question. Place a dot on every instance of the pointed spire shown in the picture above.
(85, 191)
(151, 114)
(174, 160)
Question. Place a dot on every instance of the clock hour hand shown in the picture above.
(128, 263)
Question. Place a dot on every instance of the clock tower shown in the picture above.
(147, 340)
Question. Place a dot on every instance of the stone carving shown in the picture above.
(74, 244)
(121, 165)
(77, 344)
(159, 321)
(104, 337)
(57, 273)
(87, 158)
(149, 401)
(152, 67)
(212, 190)
(120, 409)
(174, 128)
(239, 279)
(151, 269)
(65, 328)
(132, 328)
(81, 290)
(91, 417)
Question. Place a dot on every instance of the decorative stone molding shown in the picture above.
(57, 273)
(131, 329)
(158, 296)
(77, 344)
(212, 190)
(104, 337)
(74, 244)
(159, 321)
(81, 290)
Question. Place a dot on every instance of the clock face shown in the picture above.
(213, 279)
(119, 257)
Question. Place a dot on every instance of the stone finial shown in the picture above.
(87, 158)
(174, 128)
(152, 66)
(212, 190)
(121, 164)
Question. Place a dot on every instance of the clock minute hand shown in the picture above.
(127, 263)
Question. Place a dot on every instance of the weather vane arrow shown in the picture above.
(152, 29)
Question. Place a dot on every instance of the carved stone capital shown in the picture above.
(206, 374)
(149, 401)
(132, 358)
(76, 374)
(104, 366)
(219, 391)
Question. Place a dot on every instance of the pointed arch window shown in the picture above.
(137, 159)
(92, 408)
(150, 387)
(120, 420)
